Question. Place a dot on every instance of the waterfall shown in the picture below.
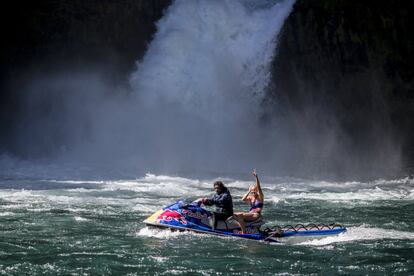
(198, 89)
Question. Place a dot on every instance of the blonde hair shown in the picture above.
(254, 188)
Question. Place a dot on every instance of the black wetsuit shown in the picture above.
(224, 205)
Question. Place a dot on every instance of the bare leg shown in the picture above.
(242, 225)
(250, 216)
(246, 217)
(240, 221)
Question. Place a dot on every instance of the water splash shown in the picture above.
(362, 233)
(210, 57)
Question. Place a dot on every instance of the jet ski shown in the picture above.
(192, 217)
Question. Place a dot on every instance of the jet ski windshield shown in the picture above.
(183, 203)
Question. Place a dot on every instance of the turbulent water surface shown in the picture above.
(74, 226)
(196, 106)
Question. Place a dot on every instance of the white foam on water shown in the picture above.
(379, 190)
(14, 206)
(146, 209)
(151, 192)
(39, 210)
(365, 195)
(163, 188)
(152, 178)
(159, 259)
(24, 197)
(77, 218)
(75, 181)
(362, 233)
(6, 214)
(90, 254)
(161, 233)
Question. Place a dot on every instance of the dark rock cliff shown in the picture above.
(347, 68)
(47, 36)
(53, 32)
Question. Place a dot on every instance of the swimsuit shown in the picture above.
(255, 205)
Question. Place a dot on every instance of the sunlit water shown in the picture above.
(60, 226)
(214, 59)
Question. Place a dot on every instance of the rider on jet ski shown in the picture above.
(223, 202)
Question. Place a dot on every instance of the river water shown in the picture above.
(198, 87)
(66, 226)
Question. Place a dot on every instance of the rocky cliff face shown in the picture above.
(75, 32)
(344, 78)
(46, 37)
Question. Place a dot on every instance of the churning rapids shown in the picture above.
(64, 226)
(74, 216)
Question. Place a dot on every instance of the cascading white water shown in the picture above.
(200, 85)
(211, 56)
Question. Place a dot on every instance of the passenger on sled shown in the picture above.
(255, 198)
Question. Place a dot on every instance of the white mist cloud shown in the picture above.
(199, 87)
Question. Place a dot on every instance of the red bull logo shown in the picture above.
(170, 215)
(196, 215)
